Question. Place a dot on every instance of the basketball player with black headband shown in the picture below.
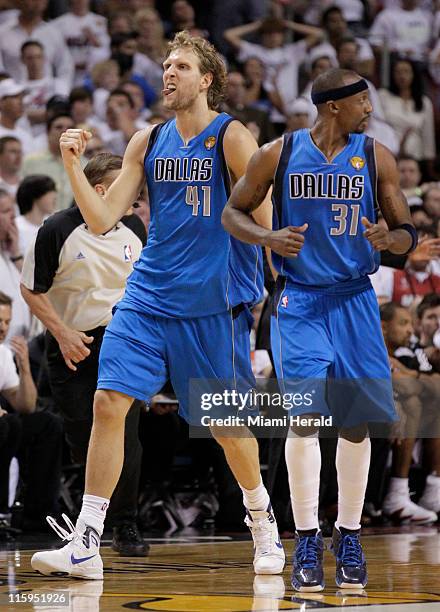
(329, 183)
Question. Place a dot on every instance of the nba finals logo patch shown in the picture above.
(127, 253)
(285, 301)
(210, 142)
(357, 162)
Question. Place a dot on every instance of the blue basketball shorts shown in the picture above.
(328, 348)
(141, 352)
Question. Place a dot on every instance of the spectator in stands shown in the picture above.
(183, 17)
(299, 115)
(223, 15)
(256, 120)
(410, 179)
(405, 30)
(347, 54)
(81, 108)
(410, 112)
(35, 437)
(122, 122)
(11, 261)
(39, 86)
(137, 95)
(419, 277)
(36, 199)
(151, 37)
(418, 390)
(11, 158)
(336, 29)
(120, 22)
(320, 64)
(11, 110)
(72, 290)
(49, 161)
(29, 25)
(94, 145)
(431, 202)
(422, 221)
(256, 94)
(85, 34)
(281, 61)
(136, 66)
(18, 389)
(427, 328)
(105, 78)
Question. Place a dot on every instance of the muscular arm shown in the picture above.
(101, 214)
(239, 147)
(241, 216)
(392, 202)
(247, 219)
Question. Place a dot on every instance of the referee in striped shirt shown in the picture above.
(71, 280)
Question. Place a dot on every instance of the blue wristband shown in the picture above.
(413, 233)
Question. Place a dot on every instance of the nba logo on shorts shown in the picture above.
(285, 301)
(127, 253)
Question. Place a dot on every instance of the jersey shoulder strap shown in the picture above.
(154, 134)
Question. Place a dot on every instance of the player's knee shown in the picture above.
(232, 438)
(107, 407)
(305, 431)
(355, 434)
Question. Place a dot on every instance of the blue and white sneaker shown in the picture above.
(308, 573)
(269, 555)
(351, 567)
(80, 558)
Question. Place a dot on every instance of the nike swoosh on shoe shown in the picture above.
(76, 561)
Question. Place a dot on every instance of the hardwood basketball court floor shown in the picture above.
(196, 573)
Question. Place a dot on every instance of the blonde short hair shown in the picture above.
(210, 61)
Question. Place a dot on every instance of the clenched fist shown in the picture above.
(73, 143)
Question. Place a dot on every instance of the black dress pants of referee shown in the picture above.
(73, 394)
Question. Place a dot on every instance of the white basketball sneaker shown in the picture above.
(431, 495)
(401, 509)
(80, 558)
(269, 555)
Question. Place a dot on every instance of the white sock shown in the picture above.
(433, 480)
(352, 465)
(303, 460)
(93, 511)
(398, 486)
(256, 499)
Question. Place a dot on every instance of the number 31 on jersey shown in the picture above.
(342, 217)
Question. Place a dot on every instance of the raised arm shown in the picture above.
(101, 214)
(234, 35)
(394, 208)
(23, 397)
(310, 31)
(241, 216)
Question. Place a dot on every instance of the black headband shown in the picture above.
(339, 92)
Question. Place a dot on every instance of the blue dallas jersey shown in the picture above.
(331, 197)
(190, 266)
